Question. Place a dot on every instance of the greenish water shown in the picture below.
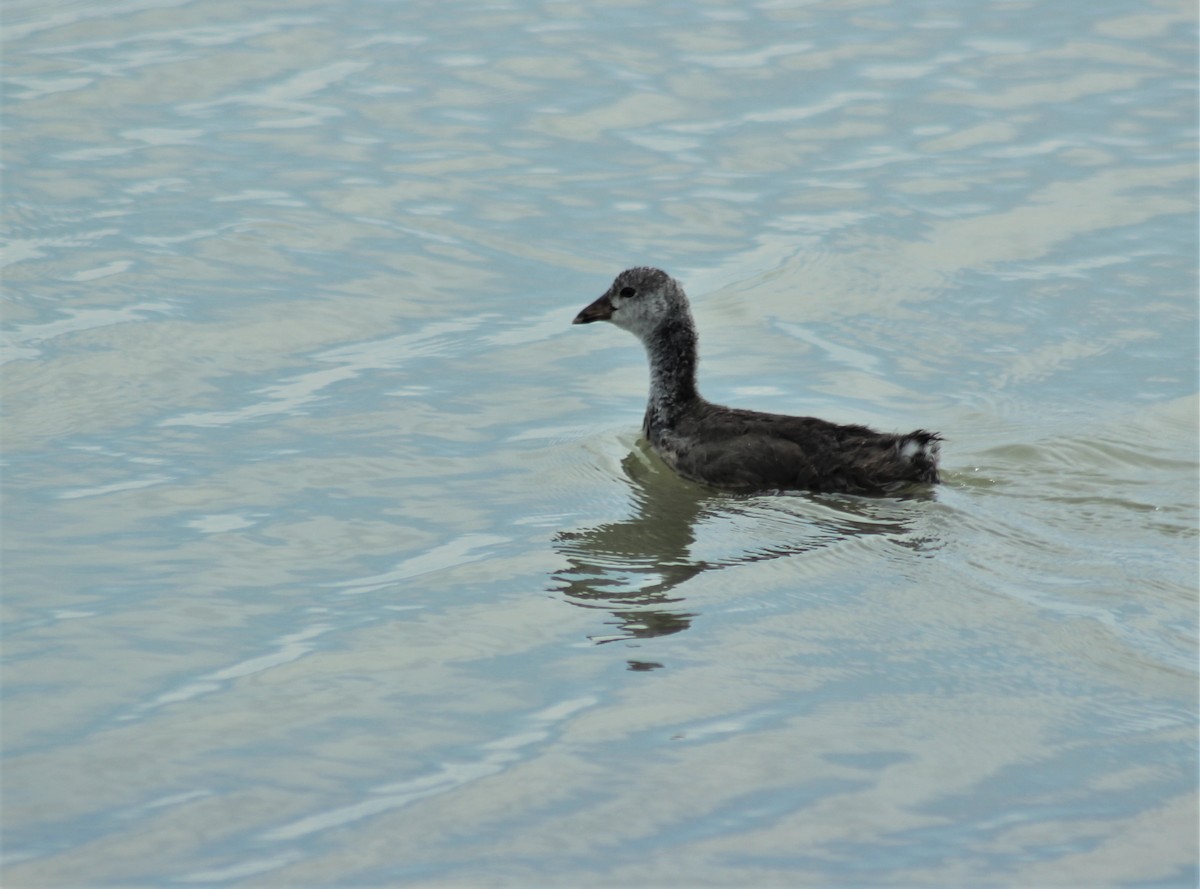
(331, 554)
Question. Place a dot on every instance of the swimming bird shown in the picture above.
(743, 450)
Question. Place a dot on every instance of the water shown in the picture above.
(332, 557)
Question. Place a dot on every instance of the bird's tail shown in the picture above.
(921, 450)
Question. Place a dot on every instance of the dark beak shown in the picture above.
(600, 310)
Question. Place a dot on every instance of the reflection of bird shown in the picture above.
(739, 449)
(638, 568)
(631, 567)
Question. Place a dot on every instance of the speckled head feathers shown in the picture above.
(640, 300)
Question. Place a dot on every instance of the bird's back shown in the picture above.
(750, 450)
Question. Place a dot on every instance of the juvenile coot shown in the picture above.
(745, 450)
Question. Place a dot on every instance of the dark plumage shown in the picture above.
(738, 449)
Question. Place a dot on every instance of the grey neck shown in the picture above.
(671, 348)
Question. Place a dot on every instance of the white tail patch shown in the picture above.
(919, 449)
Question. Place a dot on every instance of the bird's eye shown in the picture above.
(628, 292)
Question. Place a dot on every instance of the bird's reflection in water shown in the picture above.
(632, 568)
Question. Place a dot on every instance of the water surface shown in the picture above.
(332, 556)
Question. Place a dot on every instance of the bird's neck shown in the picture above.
(671, 348)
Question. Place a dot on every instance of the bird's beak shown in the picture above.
(600, 310)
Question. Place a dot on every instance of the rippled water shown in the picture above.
(331, 553)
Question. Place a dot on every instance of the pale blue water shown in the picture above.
(332, 558)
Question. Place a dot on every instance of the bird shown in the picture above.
(744, 450)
